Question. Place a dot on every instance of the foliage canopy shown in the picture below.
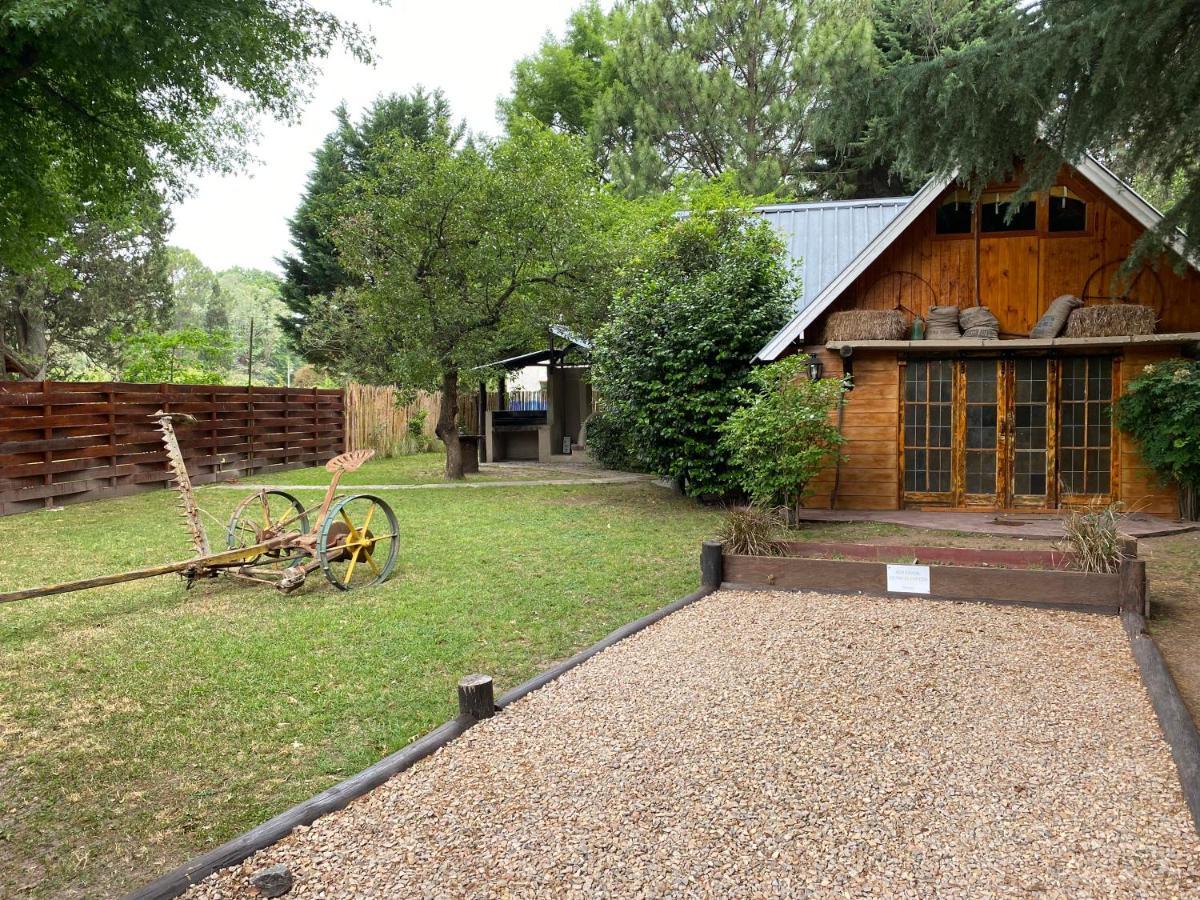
(105, 103)
(464, 255)
(781, 436)
(703, 295)
(312, 270)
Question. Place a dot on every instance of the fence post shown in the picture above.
(1134, 594)
(475, 697)
(711, 564)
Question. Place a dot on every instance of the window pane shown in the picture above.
(954, 217)
(993, 216)
(1066, 213)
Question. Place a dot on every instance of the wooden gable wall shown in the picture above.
(1020, 274)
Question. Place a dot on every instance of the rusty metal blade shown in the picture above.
(183, 483)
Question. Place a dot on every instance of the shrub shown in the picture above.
(1160, 410)
(416, 423)
(610, 441)
(752, 531)
(1093, 536)
(706, 292)
(782, 436)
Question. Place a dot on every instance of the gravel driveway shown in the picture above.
(789, 744)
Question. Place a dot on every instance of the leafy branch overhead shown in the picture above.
(106, 104)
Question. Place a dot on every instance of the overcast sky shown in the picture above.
(465, 47)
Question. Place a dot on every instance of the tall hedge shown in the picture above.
(704, 294)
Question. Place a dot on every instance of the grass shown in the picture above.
(420, 468)
(141, 723)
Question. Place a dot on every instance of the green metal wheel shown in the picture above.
(264, 515)
(358, 542)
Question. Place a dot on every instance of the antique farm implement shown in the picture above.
(272, 538)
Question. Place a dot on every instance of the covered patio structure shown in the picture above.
(540, 424)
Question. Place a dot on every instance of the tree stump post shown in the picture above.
(475, 697)
(1134, 594)
(711, 564)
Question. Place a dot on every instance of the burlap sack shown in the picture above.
(941, 323)
(978, 322)
(1052, 323)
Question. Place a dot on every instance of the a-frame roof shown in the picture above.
(1089, 167)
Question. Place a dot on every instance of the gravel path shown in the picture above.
(759, 744)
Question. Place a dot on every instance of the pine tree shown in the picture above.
(973, 85)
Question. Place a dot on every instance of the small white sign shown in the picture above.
(908, 579)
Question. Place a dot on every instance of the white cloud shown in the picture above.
(465, 47)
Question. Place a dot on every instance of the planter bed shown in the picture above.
(1028, 577)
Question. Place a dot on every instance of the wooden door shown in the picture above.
(1030, 431)
(928, 429)
(1021, 433)
(1085, 438)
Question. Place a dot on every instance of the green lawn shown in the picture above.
(420, 468)
(141, 724)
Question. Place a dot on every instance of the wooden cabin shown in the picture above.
(1010, 423)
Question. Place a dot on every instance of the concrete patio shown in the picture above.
(1031, 525)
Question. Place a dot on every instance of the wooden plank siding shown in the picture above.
(65, 442)
(870, 475)
(1019, 274)
(1140, 488)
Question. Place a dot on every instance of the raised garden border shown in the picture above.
(1178, 728)
(993, 576)
(242, 847)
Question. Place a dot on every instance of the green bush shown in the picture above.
(1161, 411)
(782, 436)
(610, 442)
(704, 294)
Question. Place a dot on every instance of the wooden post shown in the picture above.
(1129, 546)
(475, 697)
(1134, 595)
(711, 564)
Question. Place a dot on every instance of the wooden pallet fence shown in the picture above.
(378, 416)
(65, 442)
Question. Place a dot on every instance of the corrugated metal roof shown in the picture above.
(825, 237)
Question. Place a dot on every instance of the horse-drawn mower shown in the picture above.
(272, 538)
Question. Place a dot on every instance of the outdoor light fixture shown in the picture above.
(815, 369)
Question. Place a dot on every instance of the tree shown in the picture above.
(313, 271)
(781, 436)
(100, 278)
(464, 254)
(706, 292)
(103, 101)
(197, 298)
(253, 296)
(177, 356)
(715, 86)
(561, 85)
(1040, 82)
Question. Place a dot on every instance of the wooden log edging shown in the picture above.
(242, 847)
(1176, 722)
(1026, 587)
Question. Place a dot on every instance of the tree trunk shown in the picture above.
(447, 425)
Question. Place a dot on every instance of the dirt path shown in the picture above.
(777, 744)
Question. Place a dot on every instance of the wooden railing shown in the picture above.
(63, 442)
